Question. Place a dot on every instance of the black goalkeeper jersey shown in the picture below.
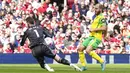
(36, 35)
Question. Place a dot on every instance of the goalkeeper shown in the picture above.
(36, 35)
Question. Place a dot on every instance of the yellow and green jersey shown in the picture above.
(98, 22)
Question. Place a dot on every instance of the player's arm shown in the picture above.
(105, 31)
(23, 38)
(103, 28)
(46, 32)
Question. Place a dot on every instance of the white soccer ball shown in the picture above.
(48, 40)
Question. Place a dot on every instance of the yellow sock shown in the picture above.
(96, 56)
(82, 58)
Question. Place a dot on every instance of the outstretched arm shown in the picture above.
(103, 28)
(46, 32)
(23, 39)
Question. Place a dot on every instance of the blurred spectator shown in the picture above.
(70, 3)
(67, 41)
(127, 47)
(84, 9)
(73, 21)
(117, 26)
(125, 32)
(102, 1)
(90, 13)
(111, 25)
(42, 8)
(35, 4)
(50, 8)
(115, 49)
(76, 7)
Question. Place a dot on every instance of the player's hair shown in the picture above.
(30, 20)
(99, 6)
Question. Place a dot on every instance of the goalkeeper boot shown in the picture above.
(75, 67)
(48, 68)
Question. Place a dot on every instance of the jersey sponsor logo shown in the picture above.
(103, 20)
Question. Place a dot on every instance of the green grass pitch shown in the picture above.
(35, 68)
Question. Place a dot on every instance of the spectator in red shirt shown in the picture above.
(45, 5)
(70, 3)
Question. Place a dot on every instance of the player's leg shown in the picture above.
(43, 65)
(61, 60)
(50, 54)
(81, 48)
(41, 61)
(93, 45)
(38, 54)
(66, 62)
(97, 57)
(82, 58)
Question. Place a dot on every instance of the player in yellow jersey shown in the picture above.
(97, 28)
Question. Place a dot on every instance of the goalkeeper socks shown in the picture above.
(64, 61)
(82, 58)
(96, 56)
(42, 65)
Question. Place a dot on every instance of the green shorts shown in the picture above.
(91, 41)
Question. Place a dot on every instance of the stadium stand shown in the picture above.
(68, 27)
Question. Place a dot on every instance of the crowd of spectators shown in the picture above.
(68, 27)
